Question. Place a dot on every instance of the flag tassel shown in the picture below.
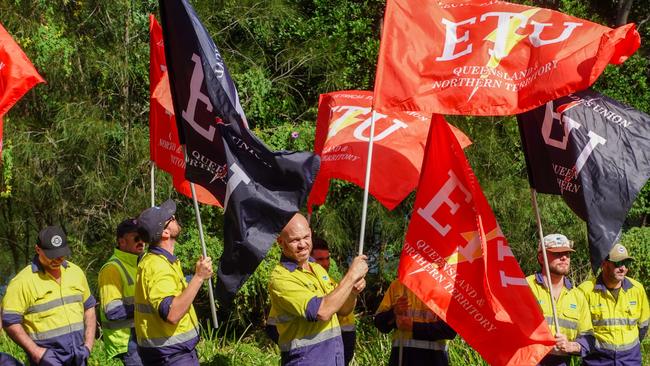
(533, 197)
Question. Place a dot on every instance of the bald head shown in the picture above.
(295, 239)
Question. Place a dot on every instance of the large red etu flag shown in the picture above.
(17, 74)
(489, 57)
(164, 146)
(342, 134)
(457, 260)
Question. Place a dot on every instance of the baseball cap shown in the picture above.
(129, 225)
(53, 242)
(557, 243)
(151, 221)
(618, 253)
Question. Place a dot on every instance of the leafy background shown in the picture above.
(76, 148)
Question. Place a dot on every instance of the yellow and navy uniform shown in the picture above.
(426, 343)
(296, 295)
(50, 312)
(619, 324)
(573, 317)
(116, 283)
(160, 279)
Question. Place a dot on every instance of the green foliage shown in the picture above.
(76, 154)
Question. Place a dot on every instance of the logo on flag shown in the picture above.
(457, 261)
(469, 58)
(342, 135)
(164, 148)
(595, 153)
(260, 189)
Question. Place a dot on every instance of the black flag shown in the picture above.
(260, 190)
(595, 152)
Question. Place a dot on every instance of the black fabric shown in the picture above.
(53, 241)
(595, 153)
(260, 189)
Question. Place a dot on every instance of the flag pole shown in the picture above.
(153, 183)
(533, 196)
(364, 209)
(213, 309)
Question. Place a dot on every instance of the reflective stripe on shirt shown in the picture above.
(416, 343)
(53, 304)
(564, 323)
(617, 347)
(42, 336)
(169, 341)
(311, 340)
(615, 321)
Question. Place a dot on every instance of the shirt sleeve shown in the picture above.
(384, 317)
(89, 299)
(111, 294)
(14, 304)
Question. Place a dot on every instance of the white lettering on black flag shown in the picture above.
(595, 153)
(259, 189)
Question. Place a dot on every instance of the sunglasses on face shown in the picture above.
(625, 262)
(173, 218)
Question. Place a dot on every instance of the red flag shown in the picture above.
(17, 74)
(342, 133)
(457, 260)
(489, 58)
(164, 147)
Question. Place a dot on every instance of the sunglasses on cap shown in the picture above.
(624, 262)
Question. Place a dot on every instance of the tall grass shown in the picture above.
(251, 347)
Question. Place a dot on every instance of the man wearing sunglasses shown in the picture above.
(116, 290)
(575, 336)
(619, 312)
(166, 324)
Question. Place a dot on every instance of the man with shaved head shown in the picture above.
(305, 304)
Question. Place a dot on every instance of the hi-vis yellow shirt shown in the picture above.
(572, 311)
(419, 313)
(619, 324)
(296, 296)
(51, 313)
(116, 281)
(160, 279)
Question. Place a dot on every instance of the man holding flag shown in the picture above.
(305, 303)
(575, 335)
(166, 324)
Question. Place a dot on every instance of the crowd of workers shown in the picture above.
(147, 316)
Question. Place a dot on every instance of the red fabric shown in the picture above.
(426, 63)
(458, 262)
(398, 147)
(17, 74)
(164, 147)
